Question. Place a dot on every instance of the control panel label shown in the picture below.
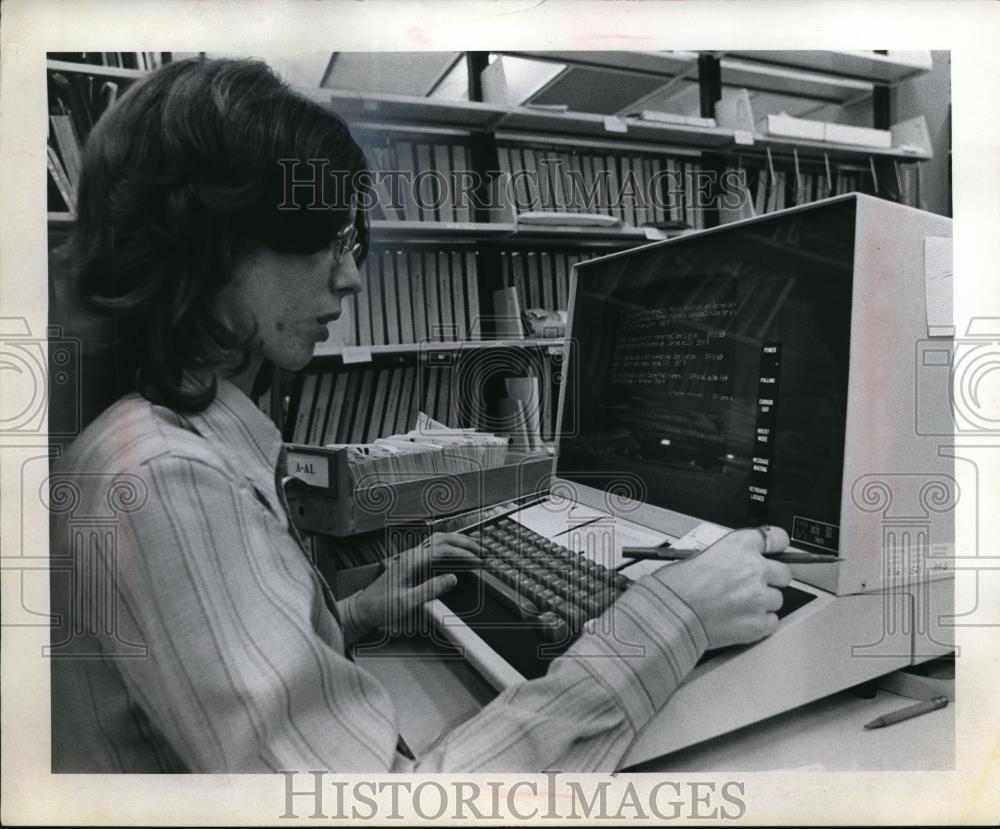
(763, 445)
(812, 533)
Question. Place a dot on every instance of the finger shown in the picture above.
(413, 565)
(776, 539)
(777, 574)
(775, 599)
(431, 589)
(456, 559)
(750, 538)
(459, 540)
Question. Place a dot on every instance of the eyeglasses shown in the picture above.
(346, 241)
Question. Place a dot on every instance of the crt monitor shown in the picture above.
(728, 374)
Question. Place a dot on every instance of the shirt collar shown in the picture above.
(247, 435)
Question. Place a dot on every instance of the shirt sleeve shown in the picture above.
(246, 670)
(588, 708)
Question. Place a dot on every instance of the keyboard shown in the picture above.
(532, 596)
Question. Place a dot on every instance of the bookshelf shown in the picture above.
(869, 66)
(81, 86)
(415, 232)
(94, 70)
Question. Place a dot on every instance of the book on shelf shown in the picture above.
(337, 406)
(362, 305)
(427, 392)
(610, 165)
(474, 311)
(415, 275)
(381, 388)
(345, 423)
(318, 422)
(359, 425)
(460, 320)
(441, 155)
(418, 178)
(425, 187)
(462, 172)
(390, 416)
(376, 302)
(407, 405)
(540, 279)
(388, 297)
(445, 299)
(68, 145)
(66, 188)
(533, 281)
(407, 331)
(306, 402)
(405, 164)
(430, 281)
(546, 274)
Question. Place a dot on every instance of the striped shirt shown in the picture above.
(194, 635)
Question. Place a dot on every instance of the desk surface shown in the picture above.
(826, 735)
(434, 690)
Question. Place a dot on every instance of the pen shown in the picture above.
(907, 713)
(674, 554)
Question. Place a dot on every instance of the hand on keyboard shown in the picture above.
(542, 581)
(732, 588)
(408, 581)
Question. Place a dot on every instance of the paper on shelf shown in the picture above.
(556, 217)
(612, 123)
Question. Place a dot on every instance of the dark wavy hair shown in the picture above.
(178, 178)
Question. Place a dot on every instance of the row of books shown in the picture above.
(76, 102)
(636, 188)
(428, 187)
(364, 404)
(412, 296)
(753, 191)
(540, 277)
(146, 61)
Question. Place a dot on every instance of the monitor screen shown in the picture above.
(714, 370)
